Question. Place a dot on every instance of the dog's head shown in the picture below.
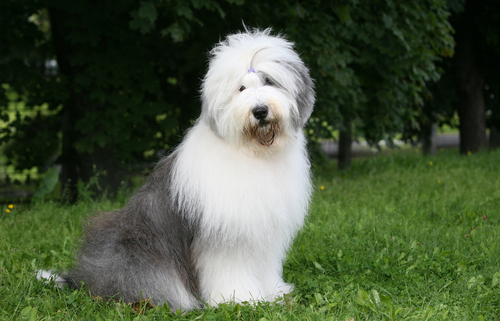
(257, 90)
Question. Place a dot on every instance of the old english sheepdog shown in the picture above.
(215, 218)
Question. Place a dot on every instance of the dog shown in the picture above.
(215, 218)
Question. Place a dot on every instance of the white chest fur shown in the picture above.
(240, 193)
(249, 208)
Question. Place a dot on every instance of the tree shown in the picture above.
(470, 81)
(128, 72)
(372, 61)
(488, 24)
(123, 90)
(23, 51)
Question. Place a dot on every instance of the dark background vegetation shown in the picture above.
(105, 88)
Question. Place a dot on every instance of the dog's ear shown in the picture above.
(305, 96)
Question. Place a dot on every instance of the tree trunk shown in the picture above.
(69, 176)
(69, 159)
(79, 165)
(345, 150)
(429, 139)
(470, 85)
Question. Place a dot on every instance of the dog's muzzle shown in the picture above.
(265, 129)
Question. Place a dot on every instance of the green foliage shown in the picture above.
(128, 72)
(144, 18)
(399, 237)
(372, 69)
(112, 90)
(185, 12)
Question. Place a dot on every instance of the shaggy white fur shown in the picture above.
(253, 196)
(252, 208)
(215, 219)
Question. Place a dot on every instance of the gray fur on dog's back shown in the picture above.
(143, 249)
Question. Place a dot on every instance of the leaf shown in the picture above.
(49, 181)
(376, 296)
(144, 18)
(471, 282)
(445, 253)
(387, 21)
(363, 299)
(184, 11)
(148, 11)
(343, 13)
(408, 270)
(387, 300)
(175, 31)
(318, 266)
(475, 281)
(401, 256)
(319, 299)
(462, 266)
(29, 313)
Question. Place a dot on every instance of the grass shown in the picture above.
(397, 237)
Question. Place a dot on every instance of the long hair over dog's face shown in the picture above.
(257, 92)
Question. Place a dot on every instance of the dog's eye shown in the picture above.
(268, 82)
(242, 88)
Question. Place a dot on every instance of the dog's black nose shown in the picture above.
(260, 112)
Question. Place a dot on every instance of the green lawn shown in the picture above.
(396, 237)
